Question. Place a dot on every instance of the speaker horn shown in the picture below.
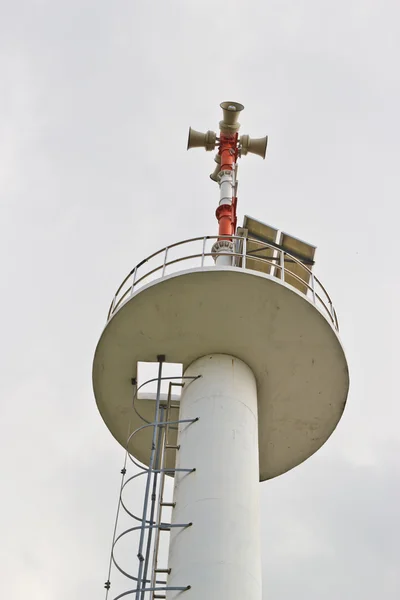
(231, 111)
(215, 173)
(256, 146)
(196, 139)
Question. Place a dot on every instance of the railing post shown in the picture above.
(113, 305)
(336, 323)
(133, 280)
(332, 311)
(165, 261)
(203, 250)
(282, 264)
(313, 288)
(244, 252)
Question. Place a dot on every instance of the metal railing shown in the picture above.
(198, 253)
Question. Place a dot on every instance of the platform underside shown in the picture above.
(295, 354)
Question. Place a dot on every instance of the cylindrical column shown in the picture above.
(224, 214)
(222, 252)
(226, 188)
(219, 555)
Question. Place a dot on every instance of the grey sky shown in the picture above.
(92, 95)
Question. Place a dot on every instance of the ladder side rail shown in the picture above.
(160, 493)
(148, 483)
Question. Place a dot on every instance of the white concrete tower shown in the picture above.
(265, 384)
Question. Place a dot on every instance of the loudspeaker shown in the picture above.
(257, 146)
(196, 139)
(214, 175)
(231, 112)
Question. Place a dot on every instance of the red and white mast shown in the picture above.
(230, 148)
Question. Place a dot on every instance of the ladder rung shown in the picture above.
(172, 447)
(158, 596)
(168, 571)
(164, 528)
(170, 504)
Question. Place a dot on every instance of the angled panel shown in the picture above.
(304, 253)
(260, 234)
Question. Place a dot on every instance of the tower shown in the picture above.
(264, 385)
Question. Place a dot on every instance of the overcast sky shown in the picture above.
(95, 101)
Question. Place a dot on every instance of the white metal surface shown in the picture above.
(219, 555)
(223, 251)
(292, 349)
(226, 184)
(223, 248)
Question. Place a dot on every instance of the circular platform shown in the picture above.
(294, 352)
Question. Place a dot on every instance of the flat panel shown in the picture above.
(305, 254)
(259, 230)
(259, 257)
(258, 233)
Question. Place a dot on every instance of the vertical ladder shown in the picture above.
(166, 446)
(147, 584)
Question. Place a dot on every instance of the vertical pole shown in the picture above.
(226, 211)
(244, 252)
(282, 264)
(113, 306)
(333, 316)
(134, 279)
(313, 288)
(226, 178)
(165, 261)
(203, 251)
